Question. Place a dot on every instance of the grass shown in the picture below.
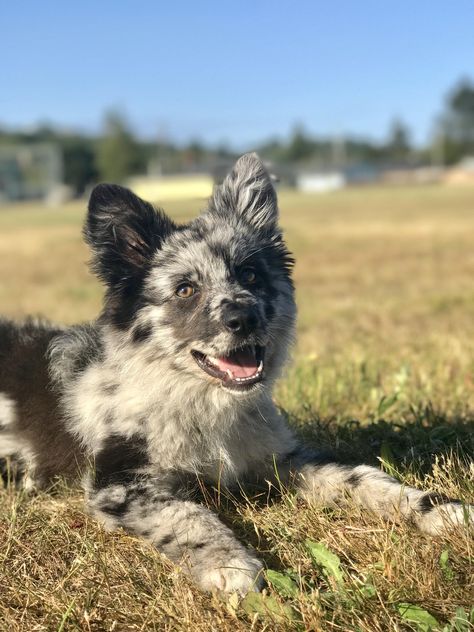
(383, 371)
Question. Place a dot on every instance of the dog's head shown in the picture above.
(214, 298)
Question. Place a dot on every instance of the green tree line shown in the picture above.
(118, 153)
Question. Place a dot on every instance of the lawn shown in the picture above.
(383, 372)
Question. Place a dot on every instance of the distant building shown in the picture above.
(173, 187)
(462, 173)
(411, 175)
(320, 182)
(29, 172)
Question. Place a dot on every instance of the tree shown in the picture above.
(300, 147)
(456, 127)
(79, 163)
(118, 153)
(398, 145)
(460, 116)
(194, 154)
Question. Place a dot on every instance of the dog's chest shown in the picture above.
(194, 434)
(223, 450)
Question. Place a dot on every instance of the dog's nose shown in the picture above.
(239, 319)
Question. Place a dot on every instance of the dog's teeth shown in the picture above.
(213, 366)
(245, 379)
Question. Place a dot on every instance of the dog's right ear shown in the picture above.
(248, 193)
(123, 232)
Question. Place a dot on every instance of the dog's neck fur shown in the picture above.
(195, 426)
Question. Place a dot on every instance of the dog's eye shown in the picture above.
(185, 290)
(248, 276)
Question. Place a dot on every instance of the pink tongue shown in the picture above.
(240, 364)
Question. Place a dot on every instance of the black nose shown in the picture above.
(239, 319)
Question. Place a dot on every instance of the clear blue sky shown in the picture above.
(233, 71)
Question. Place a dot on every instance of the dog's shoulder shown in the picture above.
(72, 350)
(27, 332)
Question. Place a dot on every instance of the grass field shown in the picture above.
(383, 371)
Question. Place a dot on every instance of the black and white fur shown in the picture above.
(135, 404)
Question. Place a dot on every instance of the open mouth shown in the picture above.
(238, 370)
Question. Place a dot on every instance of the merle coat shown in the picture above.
(171, 388)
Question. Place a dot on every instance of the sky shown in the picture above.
(234, 72)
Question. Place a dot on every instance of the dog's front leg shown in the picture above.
(184, 531)
(326, 482)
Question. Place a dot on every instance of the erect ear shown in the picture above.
(123, 232)
(248, 192)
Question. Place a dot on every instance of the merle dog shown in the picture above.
(171, 388)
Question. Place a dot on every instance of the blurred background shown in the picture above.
(330, 94)
(364, 113)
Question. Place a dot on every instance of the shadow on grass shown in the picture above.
(423, 434)
(410, 447)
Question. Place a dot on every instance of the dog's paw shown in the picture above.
(445, 517)
(240, 574)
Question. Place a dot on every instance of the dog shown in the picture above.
(171, 388)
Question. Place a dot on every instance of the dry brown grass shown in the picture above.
(384, 366)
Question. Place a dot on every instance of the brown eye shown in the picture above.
(185, 290)
(248, 276)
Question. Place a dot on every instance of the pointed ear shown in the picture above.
(123, 232)
(248, 192)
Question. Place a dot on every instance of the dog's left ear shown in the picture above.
(123, 232)
(248, 191)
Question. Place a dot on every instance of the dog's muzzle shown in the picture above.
(240, 320)
(240, 369)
